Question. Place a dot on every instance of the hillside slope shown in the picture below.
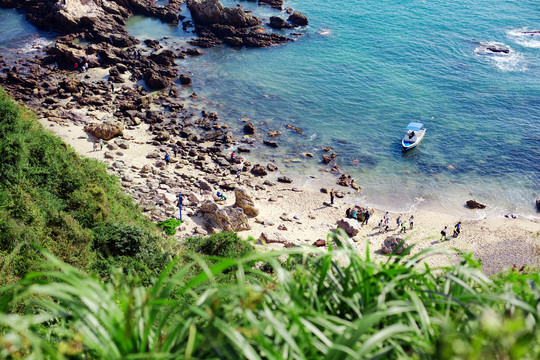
(65, 203)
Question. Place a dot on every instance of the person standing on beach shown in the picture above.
(411, 222)
(175, 150)
(457, 229)
(180, 202)
(353, 216)
(332, 194)
(167, 158)
(366, 217)
(403, 227)
(101, 143)
(443, 233)
(398, 220)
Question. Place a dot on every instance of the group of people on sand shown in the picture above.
(358, 214)
(384, 224)
(457, 230)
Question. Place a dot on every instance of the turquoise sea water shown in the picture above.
(362, 70)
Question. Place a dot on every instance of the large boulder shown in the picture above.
(159, 79)
(244, 201)
(351, 226)
(259, 170)
(228, 218)
(298, 19)
(345, 180)
(278, 23)
(66, 54)
(473, 204)
(272, 238)
(208, 12)
(164, 58)
(249, 128)
(105, 131)
(391, 243)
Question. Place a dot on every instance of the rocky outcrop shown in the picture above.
(159, 78)
(278, 23)
(244, 202)
(96, 20)
(209, 12)
(350, 226)
(345, 180)
(276, 4)
(298, 19)
(233, 26)
(67, 54)
(473, 204)
(105, 131)
(228, 218)
(391, 244)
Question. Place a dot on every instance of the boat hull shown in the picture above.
(410, 143)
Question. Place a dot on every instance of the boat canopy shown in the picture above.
(414, 126)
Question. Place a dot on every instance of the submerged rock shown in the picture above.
(249, 128)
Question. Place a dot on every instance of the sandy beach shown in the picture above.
(300, 213)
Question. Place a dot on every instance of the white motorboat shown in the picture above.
(415, 134)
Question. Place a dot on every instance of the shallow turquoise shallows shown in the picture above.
(362, 70)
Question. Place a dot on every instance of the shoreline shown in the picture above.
(297, 214)
(294, 212)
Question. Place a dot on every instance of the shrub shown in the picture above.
(224, 244)
(169, 226)
(113, 239)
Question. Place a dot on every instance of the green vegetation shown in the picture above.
(65, 223)
(169, 226)
(318, 309)
(225, 244)
(65, 203)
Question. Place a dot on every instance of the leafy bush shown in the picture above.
(113, 239)
(224, 244)
(169, 226)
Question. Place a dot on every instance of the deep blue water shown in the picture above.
(362, 70)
